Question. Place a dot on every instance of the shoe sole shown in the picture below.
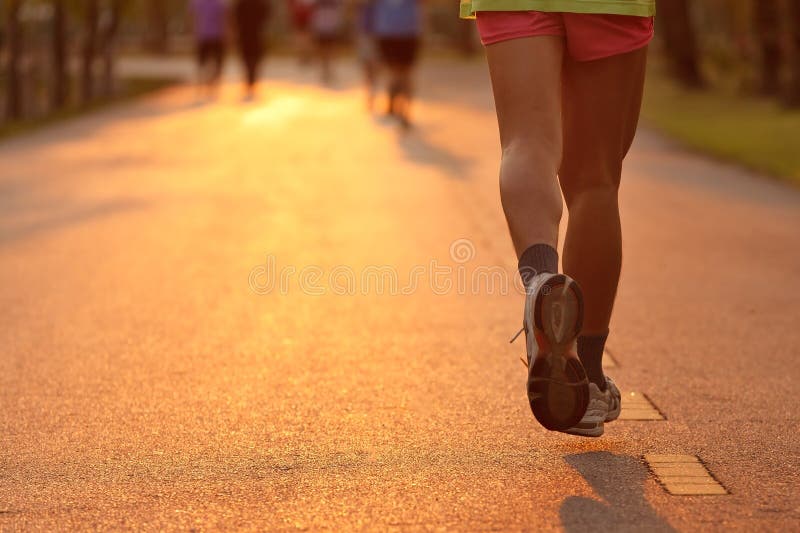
(593, 431)
(558, 389)
(613, 414)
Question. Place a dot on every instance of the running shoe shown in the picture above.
(558, 390)
(604, 406)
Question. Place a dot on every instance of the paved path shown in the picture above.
(149, 378)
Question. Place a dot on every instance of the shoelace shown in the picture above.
(514, 338)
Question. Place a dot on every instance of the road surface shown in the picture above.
(210, 319)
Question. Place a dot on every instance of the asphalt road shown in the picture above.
(151, 377)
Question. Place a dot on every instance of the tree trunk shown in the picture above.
(110, 30)
(680, 41)
(157, 31)
(60, 91)
(14, 84)
(793, 94)
(768, 22)
(91, 17)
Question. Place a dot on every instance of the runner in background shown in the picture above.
(251, 18)
(326, 25)
(368, 49)
(300, 12)
(397, 25)
(208, 21)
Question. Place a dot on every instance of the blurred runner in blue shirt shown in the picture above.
(397, 25)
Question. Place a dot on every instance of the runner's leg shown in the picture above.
(218, 60)
(251, 59)
(392, 91)
(370, 67)
(325, 53)
(202, 59)
(405, 90)
(601, 111)
(526, 78)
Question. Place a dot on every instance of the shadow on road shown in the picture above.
(419, 149)
(619, 482)
(11, 231)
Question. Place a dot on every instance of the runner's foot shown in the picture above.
(558, 390)
(604, 406)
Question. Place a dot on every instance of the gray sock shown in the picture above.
(537, 259)
(590, 352)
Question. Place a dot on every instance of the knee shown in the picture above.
(529, 171)
(535, 156)
(592, 194)
(528, 164)
(593, 182)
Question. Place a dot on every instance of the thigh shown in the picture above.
(389, 51)
(410, 51)
(602, 100)
(402, 53)
(526, 79)
(251, 50)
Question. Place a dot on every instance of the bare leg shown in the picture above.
(401, 79)
(393, 92)
(326, 53)
(370, 80)
(305, 47)
(251, 60)
(601, 111)
(526, 77)
(215, 75)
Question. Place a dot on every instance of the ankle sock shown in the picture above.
(537, 259)
(590, 352)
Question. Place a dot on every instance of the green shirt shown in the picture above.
(639, 8)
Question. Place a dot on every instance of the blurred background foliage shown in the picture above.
(58, 54)
(725, 80)
(725, 74)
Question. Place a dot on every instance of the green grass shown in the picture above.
(755, 132)
(132, 88)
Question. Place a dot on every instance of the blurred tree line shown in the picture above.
(753, 45)
(58, 53)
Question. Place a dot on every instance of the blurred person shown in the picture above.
(397, 25)
(251, 18)
(567, 77)
(300, 12)
(209, 28)
(326, 25)
(368, 49)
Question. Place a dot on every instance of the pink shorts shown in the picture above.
(587, 36)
